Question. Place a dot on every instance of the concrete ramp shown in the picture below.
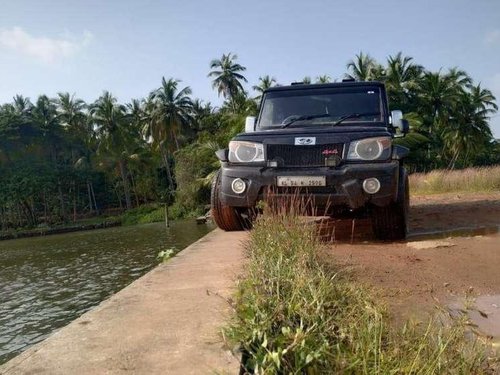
(166, 322)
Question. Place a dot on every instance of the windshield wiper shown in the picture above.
(304, 117)
(354, 115)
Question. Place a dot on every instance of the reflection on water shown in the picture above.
(484, 314)
(360, 230)
(46, 282)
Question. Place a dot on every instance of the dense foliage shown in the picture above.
(62, 158)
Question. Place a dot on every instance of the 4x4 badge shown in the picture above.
(305, 141)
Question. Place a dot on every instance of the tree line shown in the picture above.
(62, 158)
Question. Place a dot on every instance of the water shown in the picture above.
(46, 282)
(456, 232)
(484, 315)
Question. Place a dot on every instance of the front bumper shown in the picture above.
(344, 184)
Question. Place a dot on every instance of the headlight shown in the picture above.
(370, 149)
(245, 152)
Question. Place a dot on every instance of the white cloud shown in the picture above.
(47, 50)
(492, 37)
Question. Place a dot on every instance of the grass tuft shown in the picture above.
(297, 315)
(473, 180)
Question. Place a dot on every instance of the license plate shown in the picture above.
(299, 181)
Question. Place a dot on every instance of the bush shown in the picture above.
(196, 163)
(193, 164)
(179, 211)
(143, 215)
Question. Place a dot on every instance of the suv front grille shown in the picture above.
(303, 156)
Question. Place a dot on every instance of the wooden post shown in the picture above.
(167, 224)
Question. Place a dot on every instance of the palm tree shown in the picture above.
(325, 78)
(45, 113)
(437, 94)
(200, 111)
(306, 80)
(71, 112)
(401, 72)
(170, 111)
(71, 115)
(401, 79)
(44, 116)
(136, 110)
(17, 131)
(483, 100)
(468, 131)
(456, 113)
(22, 105)
(227, 76)
(243, 105)
(364, 68)
(459, 78)
(265, 82)
(73, 119)
(114, 136)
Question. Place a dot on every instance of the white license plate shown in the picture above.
(299, 181)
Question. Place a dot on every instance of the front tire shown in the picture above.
(391, 222)
(227, 218)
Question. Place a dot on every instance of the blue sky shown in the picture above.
(85, 47)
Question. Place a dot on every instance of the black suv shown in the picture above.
(332, 142)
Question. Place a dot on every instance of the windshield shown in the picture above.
(321, 106)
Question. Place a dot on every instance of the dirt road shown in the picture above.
(453, 249)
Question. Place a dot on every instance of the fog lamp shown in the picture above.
(238, 185)
(371, 185)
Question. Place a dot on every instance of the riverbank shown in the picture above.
(168, 321)
(38, 232)
(146, 214)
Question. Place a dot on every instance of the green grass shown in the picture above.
(143, 215)
(153, 213)
(473, 180)
(296, 315)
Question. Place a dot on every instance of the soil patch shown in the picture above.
(443, 259)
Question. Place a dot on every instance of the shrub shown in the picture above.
(143, 215)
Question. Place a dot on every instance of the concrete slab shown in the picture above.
(163, 323)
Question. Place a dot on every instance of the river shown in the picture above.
(46, 282)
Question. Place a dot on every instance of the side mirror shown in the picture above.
(250, 124)
(399, 122)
